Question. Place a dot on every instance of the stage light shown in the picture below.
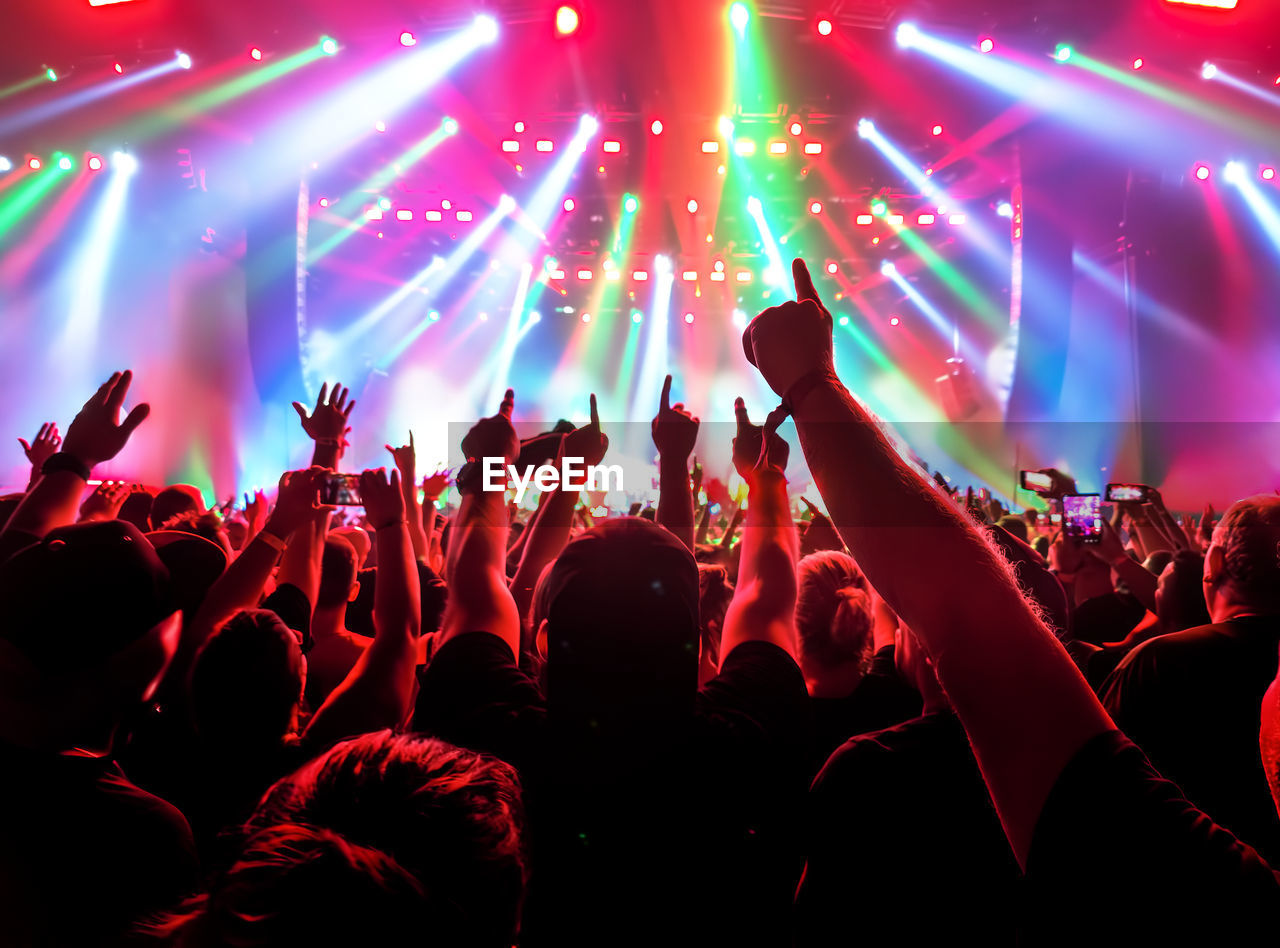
(879, 208)
(446, 204)
(906, 34)
(1233, 173)
(894, 218)
(510, 144)
(567, 21)
(1138, 63)
(433, 315)
(833, 267)
(255, 54)
(51, 75)
(1208, 71)
(718, 266)
(739, 17)
(328, 45)
(1202, 172)
(569, 205)
(753, 205)
(813, 148)
(543, 144)
(864, 220)
(450, 126)
(795, 128)
(824, 27)
(875, 241)
(689, 276)
(125, 162)
(717, 276)
(894, 321)
(612, 147)
(5, 163)
(656, 126)
(843, 320)
(888, 269)
(710, 148)
(434, 215)
(957, 219)
(866, 127)
(519, 127)
(95, 163)
(1004, 209)
(745, 147)
(464, 216)
(925, 219)
(937, 130)
(379, 126)
(1217, 4)
(385, 203)
(640, 276)
(404, 214)
(1062, 53)
(373, 214)
(630, 205)
(584, 274)
(588, 125)
(1268, 174)
(815, 207)
(777, 148)
(64, 163)
(986, 44)
(743, 276)
(184, 61)
(692, 206)
(724, 125)
(506, 204)
(688, 318)
(486, 28)
(586, 317)
(117, 69)
(408, 39)
(557, 274)
(483, 317)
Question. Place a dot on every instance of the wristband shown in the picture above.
(62, 461)
(331, 441)
(804, 385)
(271, 540)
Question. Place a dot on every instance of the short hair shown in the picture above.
(207, 525)
(1181, 605)
(247, 680)
(834, 613)
(1014, 526)
(136, 509)
(173, 500)
(1249, 534)
(338, 568)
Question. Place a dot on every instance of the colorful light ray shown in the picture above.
(945, 327)
(774, 255)
(1266, 213)
(24, 198)
(75, 100)
(656, 360)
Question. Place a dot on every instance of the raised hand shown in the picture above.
(587, 442)
(821, 533)
(298, 499)
(328, 419)
(675, 430)
(105, 502)
(43, 446)
(749, 444)
(433, 485)
(494, 436)
(97, 434)
(406, 459)
(793, 340)
(383, 501)
(255, 510)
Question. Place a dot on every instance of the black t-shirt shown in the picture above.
(84, 853)
(1119, 856)
(903, 845)
(881, 699)
(1192, 701)
(696, 834)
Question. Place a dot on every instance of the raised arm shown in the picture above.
(42, 447)
(378, 690)
(406, 458)
(675, 431)
(475, 570)
(327, 424)
(1026, 708)
(764, 597)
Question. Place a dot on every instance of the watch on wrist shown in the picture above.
(62, 461)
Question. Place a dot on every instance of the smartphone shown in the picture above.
(1082, 517)
(1036, 482)
(1123, 492)
(342, 490)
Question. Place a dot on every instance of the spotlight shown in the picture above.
(719, 266)
(795, 128)
(567, 21)
(434, 215)
(866, 127)
(385, 204)
(510, 144)
(584, 274)
(688, 318)
(689, 276)
(1208, 71)
(739, 16)
(64, 163)
(123, 161)
(1138, 63)
(937, 130)
(51, 75)
(328, 45)
(745, 147)
(5, 163)
(879, 208)
(888, 269)
(117, 69)
(569, 205)
(506, 204)
(1004, 209)
(408, 39)
(464, 216)
(957, 219)
(588, 125)
(445, 203)
(777, 148)
(753, 205)
(906, 34)
(740, 318)
(433, 315)
(184, 61)
(586, 317)
(1202, 172)
(833, 267)
(95, 163)
(656, 127)
(324, 202)
(486, 28)
(894, 321)
(639, 276)
(813, 148)
(637, 316)
(824, 27)
(450, 126)
(630, 205)
(815, 207)
(255, 54)
(543, 144)
(1268, 174)
(1062, 53)
(379, 126)
(35, 164)
(710, 148)
(1233, 173)
(926, 219)
(986, 44)
(692, 206)
(612, 147)
(519, 127)
(864, 220)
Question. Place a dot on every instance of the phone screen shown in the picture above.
(341, 490)
(1082, 517)
(1123, 492)
(1035, 481)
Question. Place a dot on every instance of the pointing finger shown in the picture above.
(804, 283)
(666, 393)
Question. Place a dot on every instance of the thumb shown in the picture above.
(302, 412)
(23, 442)
(135, 418)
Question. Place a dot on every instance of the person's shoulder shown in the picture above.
(473, 646)
(887, 745)
(132, 803)
(1175, 646)
(759, 655)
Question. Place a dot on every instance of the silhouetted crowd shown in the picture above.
(914, 718)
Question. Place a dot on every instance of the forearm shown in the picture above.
(327, 453)
(1141, 581)
(240, 586)
(478, 594)
(545, 538)
(675, 499)
(1028, 710)
(53, 502)
(763, 605)
(413, 510)
(704, 524)
(303, 554)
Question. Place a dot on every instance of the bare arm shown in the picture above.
(406, 458)
(674, 433)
